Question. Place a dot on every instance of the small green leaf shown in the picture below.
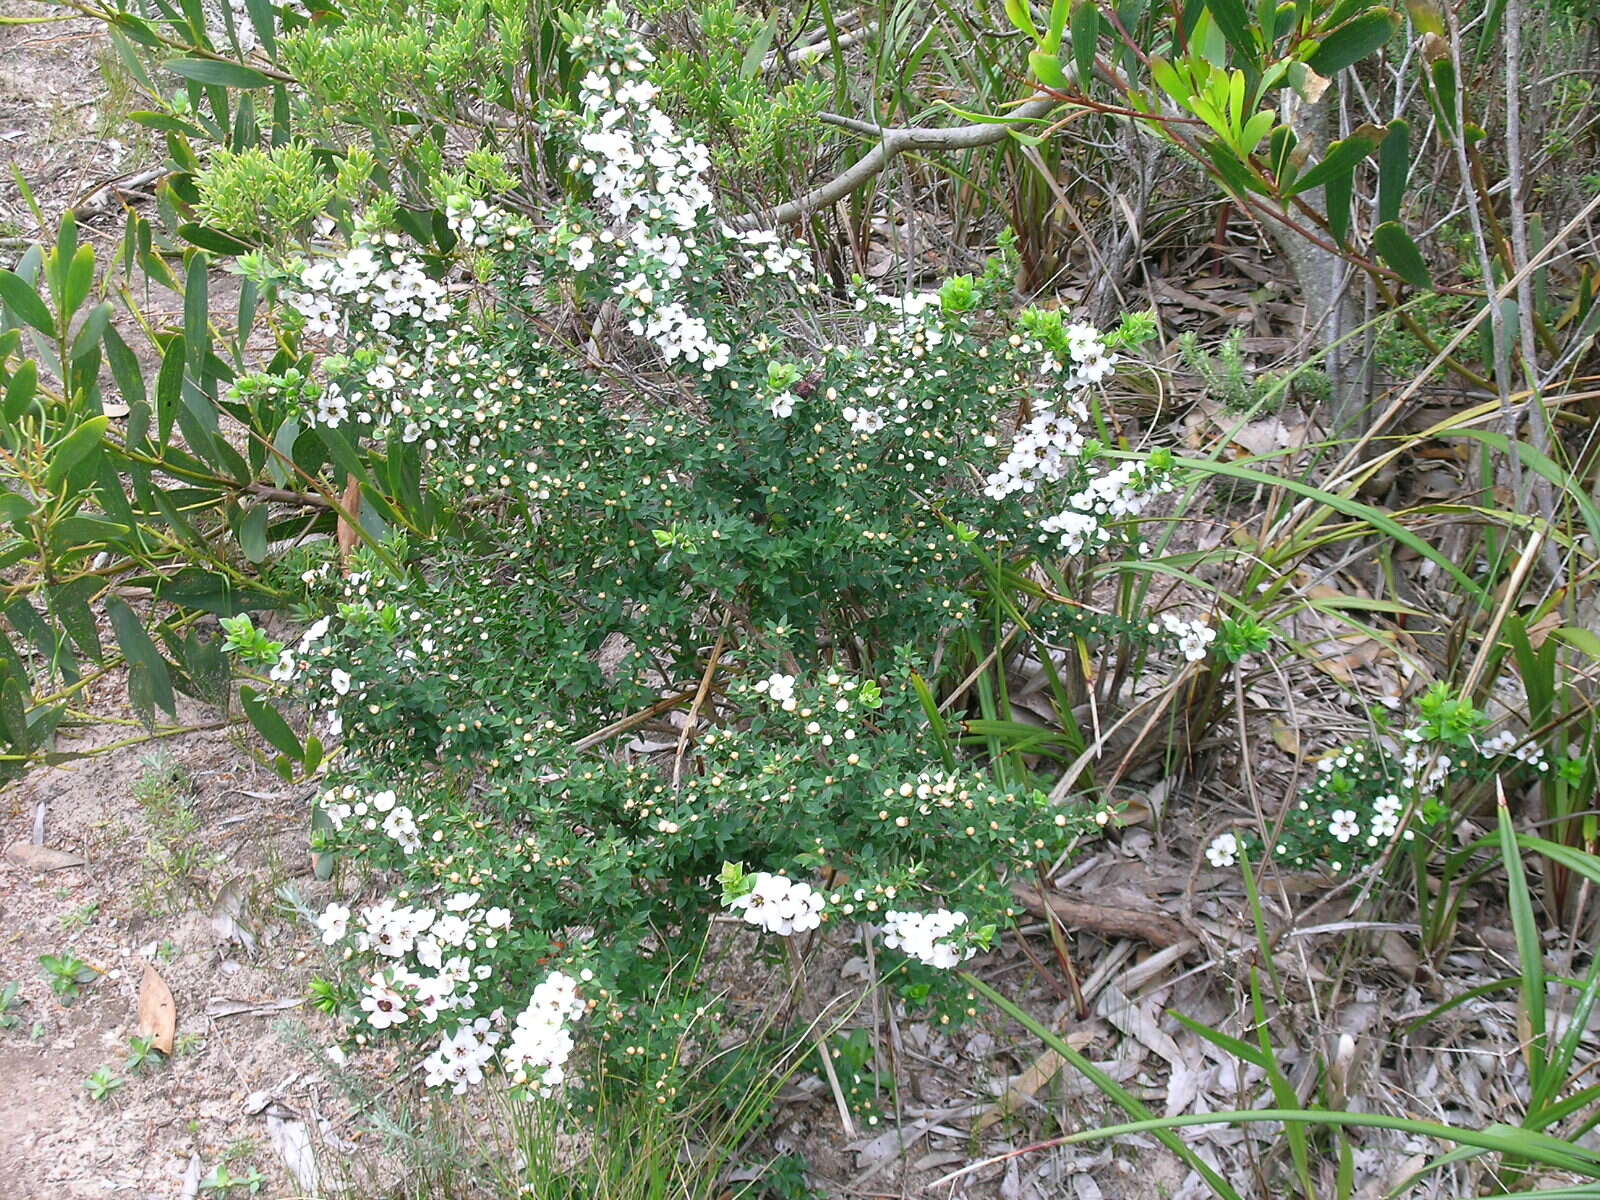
(1400, 253)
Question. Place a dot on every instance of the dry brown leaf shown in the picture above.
(227, 917)
(158, 1015)
(1042, 1070)
(348, 539)
(1285, 737)
(41, 858)
(1136, 1022)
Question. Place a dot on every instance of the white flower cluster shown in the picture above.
(460, 1058)
(779, 689)
(1194, 638)
(650, 183)
(1046, 450)
(292, 661)
(1507, 742)
(1088, 363)
(346, 805)
(378, 276)
(427, 953)
(925, 937)
(1121, 492)
(780, 905)
(541, 1041)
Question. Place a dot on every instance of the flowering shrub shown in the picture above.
(772, 533)
(1367, 795)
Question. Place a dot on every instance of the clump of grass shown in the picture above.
(175, 860)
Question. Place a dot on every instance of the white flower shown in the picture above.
(777, 687)
(283, 670)
(334, 923)
(340, 681)
(1223, 850)
(383, 1005)
(782, 405)
(1343, 825)
(498, 918)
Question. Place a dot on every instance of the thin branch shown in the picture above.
(893, 141)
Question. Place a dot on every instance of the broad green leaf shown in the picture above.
(169, 388)
(69, 604)
(21, 391)
(265, 22)
(1337, 195)
(143, 657)
(1400, 254)
(759, 45)
(220, 74)
(1234, 21)
(1341, 158)
(14, 507)
(253, 533)
(269, 724)
(1085, 34)
(1394, 169)
(1352, 42)
(163, 123)
(213, 240)
(18, 296)
(73, 449)
(1046, 69)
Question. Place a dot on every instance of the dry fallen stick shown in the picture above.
(1114, 920)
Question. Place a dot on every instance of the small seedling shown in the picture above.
(67, 974)
(187, 1043)
(140, 1050)
(80, 918)
(223, 1180)
(102, 1083)
(10, 1001)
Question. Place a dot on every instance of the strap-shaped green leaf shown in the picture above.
(73, 449)
(1084, 32)
(1234, 21)
(219, 74)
